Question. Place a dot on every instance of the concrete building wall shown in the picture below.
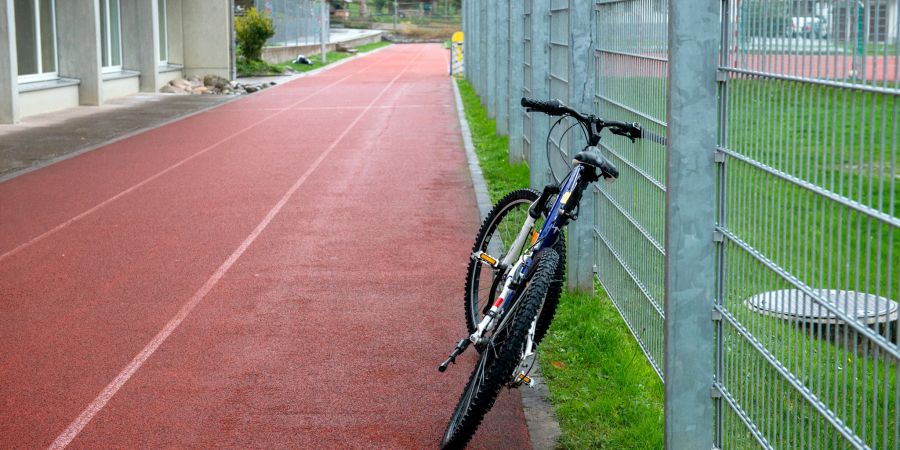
(165, 77)
(140, 40)
(48, 100)
(198, 42)
(78, 31)
(9, 91)
(206, 50)
(120, 87)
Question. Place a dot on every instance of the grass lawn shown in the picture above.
(604, 392)
(261, 68)
(844, 141)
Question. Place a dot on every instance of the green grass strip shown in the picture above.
(262, 68)
(492, 150)
(604, 392)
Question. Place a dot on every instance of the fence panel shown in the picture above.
(297, 22)
(805, 339)
(631, 60)
(527, 79)
(808, 224)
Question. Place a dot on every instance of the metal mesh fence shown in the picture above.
(419, 19)
(808, 224)
(297, 22)
(806, 233)
(631, 58)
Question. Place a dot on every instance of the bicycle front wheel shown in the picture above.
(501, 356)
(498, 231)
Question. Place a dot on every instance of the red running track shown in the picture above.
(282, 271)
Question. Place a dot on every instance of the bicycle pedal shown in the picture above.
(485, 258)
(521, 379)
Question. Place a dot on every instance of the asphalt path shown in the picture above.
(282, 271)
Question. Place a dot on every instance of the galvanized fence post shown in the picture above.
(580, 275)
(514, 70)
(473, 69)
(502, 62)
(690, 222)
(540, 89)
(490, 69)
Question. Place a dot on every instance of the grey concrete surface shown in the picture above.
(202, 55)
(140, 44)
(9, 95)
(78, 29)
(43, 139)
(345, 36)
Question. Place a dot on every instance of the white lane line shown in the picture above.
(74, 428)
(166, 170)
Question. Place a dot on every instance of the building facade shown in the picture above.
(56, 54)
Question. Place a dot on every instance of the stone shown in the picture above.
(169, 89)
(200, 90)
(251, 89)
(180, 83)
(215, 81)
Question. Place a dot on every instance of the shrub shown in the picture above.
(252, 30)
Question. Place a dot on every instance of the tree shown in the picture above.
(363, 8)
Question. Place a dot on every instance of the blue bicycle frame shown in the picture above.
(552, 228)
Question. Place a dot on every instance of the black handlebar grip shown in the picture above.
(552, 107)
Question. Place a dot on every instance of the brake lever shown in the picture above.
(620, 132)
(633, 131)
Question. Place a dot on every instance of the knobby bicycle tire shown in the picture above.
(518, 199)
(501, 357)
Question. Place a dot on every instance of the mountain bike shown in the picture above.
(515, 273)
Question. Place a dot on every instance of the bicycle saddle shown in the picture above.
(592, 157)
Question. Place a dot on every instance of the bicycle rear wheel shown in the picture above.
(498, 231)
(500, 357)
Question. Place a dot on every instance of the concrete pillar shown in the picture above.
(9, 73)
(78, 31)
(581, 95)
(516, 82)
(206, 28)
(140, 40)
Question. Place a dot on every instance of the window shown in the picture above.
(163, 33)
(111, 35)
(36, 39)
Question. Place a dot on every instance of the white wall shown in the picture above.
(207, 43)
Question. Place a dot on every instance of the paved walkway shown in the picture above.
(284, 270)
(38, 140)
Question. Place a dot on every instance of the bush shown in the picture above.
(252, 31)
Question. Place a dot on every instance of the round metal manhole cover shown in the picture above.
(794, 304)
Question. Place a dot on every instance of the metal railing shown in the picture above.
(776, 196)
(297, 22)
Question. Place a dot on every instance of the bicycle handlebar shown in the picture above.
(557, 108)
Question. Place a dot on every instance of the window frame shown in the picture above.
(163, 29)
(38, 46)
(108, 38)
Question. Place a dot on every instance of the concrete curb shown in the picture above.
(543, 428)
(133, 133)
